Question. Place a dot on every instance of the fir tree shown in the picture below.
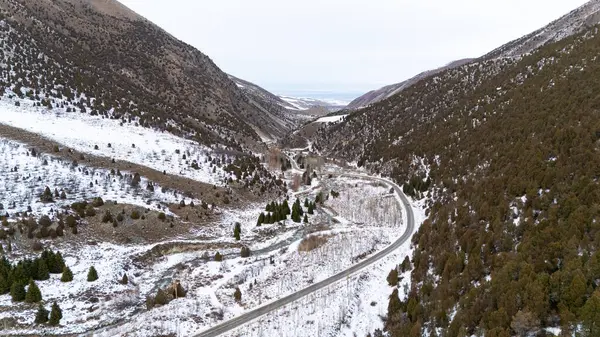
(590, 314)
(305, 218)
(125, 279)
(55, 315)
(47, 195)
(261, 219)
(237, 294)
(236, 231)
(67, 275)
(392, 278)
(17, 291)
(41, 316)
(34, 294)
(218, 257)
(92, 274)
(42, 270)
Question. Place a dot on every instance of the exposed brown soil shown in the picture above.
(312, 242)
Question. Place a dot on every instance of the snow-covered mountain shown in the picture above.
(295, 109)
(305, 103)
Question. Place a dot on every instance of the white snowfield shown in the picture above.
(136, 144)
(330, 119)
(24, 177)
(342, 309)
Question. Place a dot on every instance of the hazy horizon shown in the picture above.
(344, 46)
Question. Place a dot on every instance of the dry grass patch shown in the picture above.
(312, 242)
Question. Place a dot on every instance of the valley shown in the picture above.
(146, 192)
(153, 253)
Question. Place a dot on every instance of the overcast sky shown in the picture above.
(344, 45)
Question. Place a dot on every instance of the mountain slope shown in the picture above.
(380, 94)
(505, 151)
(572, 23)
(126, 67)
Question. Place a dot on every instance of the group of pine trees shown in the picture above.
(275, 212)
(14, 278)
(41, 316)
(279, 212)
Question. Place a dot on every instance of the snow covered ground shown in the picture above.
(24, 177)
(365, 218)
(161, 151)
(353, 307)
(330, 119)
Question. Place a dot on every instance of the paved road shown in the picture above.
(256, 313)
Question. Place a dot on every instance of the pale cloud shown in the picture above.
(345, 45)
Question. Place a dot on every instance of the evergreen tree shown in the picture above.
(236, 231)
(306, 203)
(392, 278)
(41, 316)
(261, 219)
(17, 291)
(4, 284)
(92, 274)
(42, 270)
(237, 294)
(34, 294)
(305, 218)
(125, 279)
(218, 257)
(55, 315)
(47, 195)
(394, 306)
(286, 207)
(590, 315)
(311, 208)
(67, 275)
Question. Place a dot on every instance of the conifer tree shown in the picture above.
(261, 219)
(17, 291)
(236, 231)
(305, 218)
(286, 207)
(67, 275)
(55, 315)
(92, 274)
(125, 279)
(237, 294)
(41, 316)
(47, 195)
(590, 313)
(42, 271)
(218, 257)
(34, 294)
(392, 278)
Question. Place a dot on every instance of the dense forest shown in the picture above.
(509, 152)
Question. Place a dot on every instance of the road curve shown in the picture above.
(256, 313)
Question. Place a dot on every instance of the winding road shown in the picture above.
(258, 312)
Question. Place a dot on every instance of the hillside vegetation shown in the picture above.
(510, 150)
(108, 61)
